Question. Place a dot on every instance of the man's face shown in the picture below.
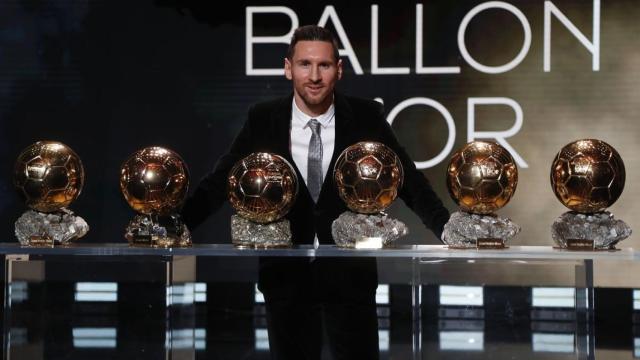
(314, 73)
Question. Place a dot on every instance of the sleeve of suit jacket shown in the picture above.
(416, 191)
(211, 192)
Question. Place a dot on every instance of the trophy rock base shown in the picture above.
(465, 230)
(598, 231)
(352, 230)
(250, 235)
(145, 231)
(36, 228)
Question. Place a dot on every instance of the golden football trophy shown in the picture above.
(481, 178)
(154, 181)
(368, 176)
(49, 177)
(587, 177)
(262, 188)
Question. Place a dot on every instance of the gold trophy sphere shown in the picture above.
(48, 176)
(262, 187)
(154, 180)
(482, 177)
(587, 175)
(369, 176)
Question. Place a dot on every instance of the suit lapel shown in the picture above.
(281, 118)
(281, 122)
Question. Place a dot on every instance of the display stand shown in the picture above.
(175, 271)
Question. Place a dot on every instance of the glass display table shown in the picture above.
(163, 283)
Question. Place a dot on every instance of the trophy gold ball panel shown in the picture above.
(482, 177)
(587, 176)
(369, 176)
(154, 180)
(262, 187)
(48, 176)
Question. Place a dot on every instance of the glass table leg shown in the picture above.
(416, 309)
(585, 339)
(181, 336)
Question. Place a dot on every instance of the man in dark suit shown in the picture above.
(310, 128)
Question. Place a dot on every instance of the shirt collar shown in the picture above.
(301, 119)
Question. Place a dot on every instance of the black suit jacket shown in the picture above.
(267, 129)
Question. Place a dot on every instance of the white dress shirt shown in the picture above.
(301, 135)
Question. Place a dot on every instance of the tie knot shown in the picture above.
(314, 124)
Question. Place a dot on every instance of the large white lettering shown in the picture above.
(447, 117)
(251, 39)
(375, 69)
(330, 13)
(593, 47)
(511, 64)
(420, 68)
(499, 136)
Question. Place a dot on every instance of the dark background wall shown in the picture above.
(110, 77)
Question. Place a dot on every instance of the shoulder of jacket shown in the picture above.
(269, 105)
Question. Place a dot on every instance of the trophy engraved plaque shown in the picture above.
(580, 244)
(154, 182)
(490, 243)
(588, 176)
(369, 176)
(481, 178)
(49, 176)
(262, 188)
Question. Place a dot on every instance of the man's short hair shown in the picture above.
(312, 33)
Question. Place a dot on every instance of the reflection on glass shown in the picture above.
(462, 340)
(19, 292)
(18, 336)
(382, 294)
(186, 339)
(383, 340)
(553, 319)
(186, 293)
(461, 295)
(383, 312)
(201, 292)
(259, 297)
(636, 299)
(563, 343)
(94, 338)
(636, 347)
(262, 339)
(461, 314)
(201, 339)
(553, 297)
(96, 291)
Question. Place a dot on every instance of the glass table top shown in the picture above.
(407, 251)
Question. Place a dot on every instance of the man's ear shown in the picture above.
(287, 68)
(339, 69)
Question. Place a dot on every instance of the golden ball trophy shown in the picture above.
(155, 181)
(49, 176)
(262, 188)
(481, 178)
(369, 176)
(588, 176)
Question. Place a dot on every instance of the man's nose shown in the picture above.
(315, 73)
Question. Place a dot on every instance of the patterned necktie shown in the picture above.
(314, 161)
